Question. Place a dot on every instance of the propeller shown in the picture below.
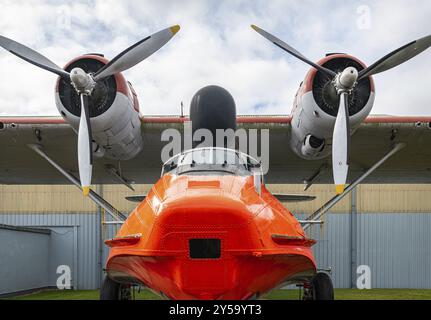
(136, 53)
(32, 56)
(84, 84)
(85, 151)
(284, 46)
(344, 84)
(397, 57)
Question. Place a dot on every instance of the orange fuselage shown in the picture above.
(211, 237)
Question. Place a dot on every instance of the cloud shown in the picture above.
(215, 46)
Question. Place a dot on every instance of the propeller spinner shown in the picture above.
(344, 84)
(84, 83)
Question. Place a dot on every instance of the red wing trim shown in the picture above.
(288, 119)
(241, 119)
(263, 119)
(164, 119)
(396, 119)
(33, 120)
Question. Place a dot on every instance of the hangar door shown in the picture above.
(63, 255)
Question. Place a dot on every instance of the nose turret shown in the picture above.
(213, 108)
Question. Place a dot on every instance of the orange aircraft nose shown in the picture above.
(207, 232)
(210, 244)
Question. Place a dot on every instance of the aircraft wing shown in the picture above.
(374, 138)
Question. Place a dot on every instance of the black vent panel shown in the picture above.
(205, 248)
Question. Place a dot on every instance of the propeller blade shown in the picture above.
(340, 144)
(32, 56)
(397, 57)
(284, 46)
(137, 53)
(85, 152)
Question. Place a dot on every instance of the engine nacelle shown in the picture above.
(113, 108)
(312, 146)
(315, 107)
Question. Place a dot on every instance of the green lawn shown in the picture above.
(78, 295)
(340, 294)
(355, 294)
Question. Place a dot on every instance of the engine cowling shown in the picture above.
(113, 108)
(312, 146)
(316, 107)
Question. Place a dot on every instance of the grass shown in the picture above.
(340, 294)
(78, 295)
(355, 294)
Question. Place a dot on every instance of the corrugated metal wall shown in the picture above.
(19, 248)
(396, 247)
(371, 198)
(85, 268)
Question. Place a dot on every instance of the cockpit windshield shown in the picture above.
(211, 159)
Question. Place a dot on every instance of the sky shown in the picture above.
(216, 46)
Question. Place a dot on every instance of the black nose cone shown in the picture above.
(213, 108)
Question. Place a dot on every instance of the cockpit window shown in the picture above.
(211, 159)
